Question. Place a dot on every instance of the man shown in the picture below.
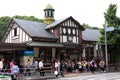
(41, 67)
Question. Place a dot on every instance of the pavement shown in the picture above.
(65, 75)
(54, 77)
(78, 74)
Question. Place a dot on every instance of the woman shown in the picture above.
(11, 64)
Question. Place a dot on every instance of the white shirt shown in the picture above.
(1, 64)
(40, 64)
(56, 65)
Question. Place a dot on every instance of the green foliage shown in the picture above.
(32, 18)
(113, 37)
(88, 26)
(4, 21)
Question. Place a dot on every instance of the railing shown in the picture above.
(29, 74)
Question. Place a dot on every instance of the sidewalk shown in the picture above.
(65, 75)
(78, 74)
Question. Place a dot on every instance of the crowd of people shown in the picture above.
(59, 67)
(77, 66)
(11, 67)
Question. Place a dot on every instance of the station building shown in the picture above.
(51, 39)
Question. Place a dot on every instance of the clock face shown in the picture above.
(64, 30)
(70, 38)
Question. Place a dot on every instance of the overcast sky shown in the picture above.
(85, 11)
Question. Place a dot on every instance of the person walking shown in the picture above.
(41, 67)
(35, 64)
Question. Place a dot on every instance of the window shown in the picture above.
(15, 32)
(64, 38)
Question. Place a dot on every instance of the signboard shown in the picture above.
(109, 29)
(29, 53)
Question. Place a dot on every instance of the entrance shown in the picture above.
(46, 55)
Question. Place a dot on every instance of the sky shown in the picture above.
(90, 12)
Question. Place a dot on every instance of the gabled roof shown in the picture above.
(91, 35)
(57, 22)
(34, 29)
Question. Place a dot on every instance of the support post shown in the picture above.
(106, 53)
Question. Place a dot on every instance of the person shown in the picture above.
(1, 64)
(102, 65)
(7, 67)
(92, 66)
(62, 66)
(41, 67)
(15, 69)
(57, 65)
(84, 65)
(35, 64)
(28, 67)
(11, 64)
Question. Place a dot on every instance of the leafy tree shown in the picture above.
(113, 37)
(32, 18)
(4, 21)
(88, 26)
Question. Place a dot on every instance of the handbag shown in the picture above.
(55, 72)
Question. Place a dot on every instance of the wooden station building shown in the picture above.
(60, 39)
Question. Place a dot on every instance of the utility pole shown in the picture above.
(106, 52)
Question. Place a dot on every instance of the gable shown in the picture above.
(69, 21)
(15, 34)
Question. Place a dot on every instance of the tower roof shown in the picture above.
(49, 7)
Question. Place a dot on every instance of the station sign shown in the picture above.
(28, 53)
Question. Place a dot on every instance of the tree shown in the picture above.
(4, 21)
(32, 18)
(113, 37)
(88, 26)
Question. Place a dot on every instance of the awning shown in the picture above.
(44, 44)
(12, 46)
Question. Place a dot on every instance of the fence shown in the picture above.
(29, 74)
